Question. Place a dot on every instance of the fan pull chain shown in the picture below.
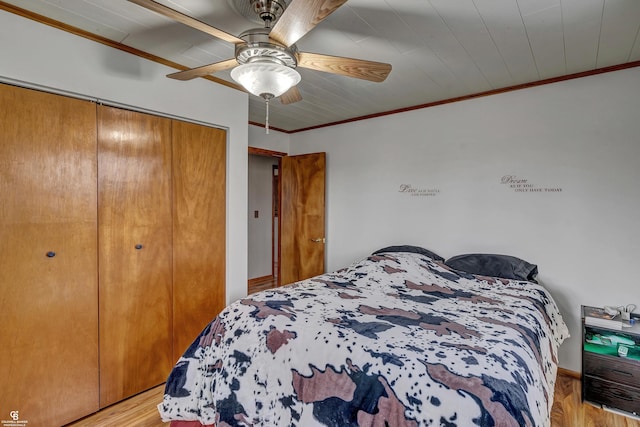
(266, 123)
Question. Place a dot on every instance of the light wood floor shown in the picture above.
(253, 288)
(567, 411)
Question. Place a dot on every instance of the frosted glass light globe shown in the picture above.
(265, 79)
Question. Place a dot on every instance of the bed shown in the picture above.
(399, 338)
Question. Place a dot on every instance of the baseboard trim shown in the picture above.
(569, 373)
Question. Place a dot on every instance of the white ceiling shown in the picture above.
(439, 49)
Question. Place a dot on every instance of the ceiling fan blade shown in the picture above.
(204, 70)
(300, 17)
(291, 96)
(186, 20)
(350, 67)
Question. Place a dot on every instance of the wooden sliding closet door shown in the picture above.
(199, 187)
(48, 260)
(134, 217)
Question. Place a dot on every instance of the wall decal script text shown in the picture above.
(408, 189)
(522, 185)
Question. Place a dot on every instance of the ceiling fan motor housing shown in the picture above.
(268, 10)
(259, 47)
(262, 12)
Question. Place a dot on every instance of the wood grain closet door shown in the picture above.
(134, 217)
(199, 187)
(48, 260)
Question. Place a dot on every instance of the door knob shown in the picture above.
(318, 240)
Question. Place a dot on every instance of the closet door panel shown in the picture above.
(48, 257)
(134, 217)
(199, 183)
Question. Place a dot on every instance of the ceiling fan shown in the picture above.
(266, 58)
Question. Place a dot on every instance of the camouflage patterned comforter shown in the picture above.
(396, 339)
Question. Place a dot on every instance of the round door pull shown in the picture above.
(138, 246)
(51, 254)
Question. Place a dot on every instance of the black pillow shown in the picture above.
(412, 249)
(493, 265)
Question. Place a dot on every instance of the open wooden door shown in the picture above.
(302, 217)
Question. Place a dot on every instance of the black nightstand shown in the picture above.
(609, 379)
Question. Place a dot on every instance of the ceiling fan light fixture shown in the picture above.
(265, 79)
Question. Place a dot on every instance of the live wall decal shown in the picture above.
(523, 185)
(418, 192)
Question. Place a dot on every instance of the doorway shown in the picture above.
(289, 245)
(263, 218)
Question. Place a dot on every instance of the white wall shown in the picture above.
(580, 136)
(274, 140)
(40, 55)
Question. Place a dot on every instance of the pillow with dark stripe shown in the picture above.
(494, 265)
(412, 249)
